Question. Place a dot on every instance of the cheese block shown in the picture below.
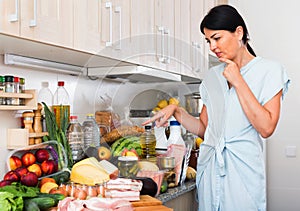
(110, 168)
(88, 174)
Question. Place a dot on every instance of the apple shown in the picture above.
(49, 167)
(28, 159)
(35, 168)
(42, 155)
(12, 176)
(59, 190)
(104, 153)
(15, 162)
(30, 179)
(21, 170)
(5, 182)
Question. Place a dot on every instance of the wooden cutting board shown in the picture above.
(146, 200)
(153, 208)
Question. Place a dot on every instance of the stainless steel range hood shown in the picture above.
(134, 74)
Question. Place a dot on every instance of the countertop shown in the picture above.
(175, 192)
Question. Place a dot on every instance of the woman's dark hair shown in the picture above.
(226, 17)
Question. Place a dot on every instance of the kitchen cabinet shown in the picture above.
(42, 20)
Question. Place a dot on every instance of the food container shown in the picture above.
(128, 166)
(166, 162)
(52, 147)
(193, 103)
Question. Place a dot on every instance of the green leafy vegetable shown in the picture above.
(58, 134)
(9, 202)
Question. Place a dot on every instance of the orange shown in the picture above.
(46, 179)
(46, 187)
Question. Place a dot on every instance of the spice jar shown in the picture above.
(2, 89)
(9, 88)
(16, 84)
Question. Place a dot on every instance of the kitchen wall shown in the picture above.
(274, 28)
(86, 96)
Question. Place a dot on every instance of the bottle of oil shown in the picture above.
(61, 105)
(148, 143)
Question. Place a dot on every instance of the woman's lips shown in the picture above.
(218, 55)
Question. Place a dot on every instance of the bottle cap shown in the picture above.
(9, 78)
(73, 117)
(22, 80)
(147, 127)
(16, 79)
(45, 84)
(172, 123)
(90, 115)
(61, 83)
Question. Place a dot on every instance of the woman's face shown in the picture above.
(224, 44)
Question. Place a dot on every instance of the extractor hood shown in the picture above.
(134, 73)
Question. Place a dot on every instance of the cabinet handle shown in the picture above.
(119, 10)
(167, 58)
(109, 5)
(14, 17)
(196, 57)
(161, 57)
(32, 22)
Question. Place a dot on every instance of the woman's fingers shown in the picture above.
(158, 118)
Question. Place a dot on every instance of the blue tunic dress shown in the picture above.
(230, 170)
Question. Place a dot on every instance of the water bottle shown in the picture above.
(75, 139)
(148, 143)
(61, 104)
(45, 96)
(91, 132)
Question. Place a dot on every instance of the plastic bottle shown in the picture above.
(45, 96)
(61, 104)
(148, 143)
(2, 89)
(75, 139)
(161, 140)
(176, 138)
(91, 132)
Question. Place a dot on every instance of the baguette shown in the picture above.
(120, 132)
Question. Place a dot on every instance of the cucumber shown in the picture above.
(43, 203)
(30, 206)
(56, 196)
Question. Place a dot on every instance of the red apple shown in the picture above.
(14, 162)
(49, 167)
(5, 182)
(28, 159)
(35, 168)
(30, 179)
(41, 155)
(21, 170)
(12, 176)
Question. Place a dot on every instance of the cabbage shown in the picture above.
(8, 202)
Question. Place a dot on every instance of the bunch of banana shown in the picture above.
(163, 103)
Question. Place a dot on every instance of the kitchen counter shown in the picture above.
(181, 197)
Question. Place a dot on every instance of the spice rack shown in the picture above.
(30, 97)
(19, 137)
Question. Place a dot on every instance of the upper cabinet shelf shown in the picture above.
(30, 97)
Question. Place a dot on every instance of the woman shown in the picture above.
(242, 100)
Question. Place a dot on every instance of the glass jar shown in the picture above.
(2, 89)
(128, 166)
(22, 90)
(16, 84)
(9, 88)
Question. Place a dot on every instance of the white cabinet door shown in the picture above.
(87, 26)
(47, 21)
(9, 17)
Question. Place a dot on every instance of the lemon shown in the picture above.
(156, 109)
(198, 142)
(162, 103)
(173, 101)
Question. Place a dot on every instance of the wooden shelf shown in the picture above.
(30, 97)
